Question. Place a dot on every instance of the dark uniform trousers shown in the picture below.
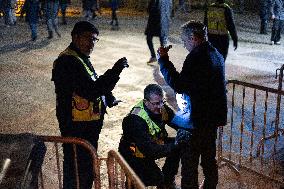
(276, 30)
(221, 43)
(149, 172)
(202, 143)
(89, 132)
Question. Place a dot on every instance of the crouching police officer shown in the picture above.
(145, 139)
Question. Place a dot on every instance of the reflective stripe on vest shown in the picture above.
(139, 110)
(83, 109)
(154, 130)
(217, 20)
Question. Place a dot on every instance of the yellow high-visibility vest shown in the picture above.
(216, 19)
(154, 130)
(83, 109)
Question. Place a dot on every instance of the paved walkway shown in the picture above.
(27, 97)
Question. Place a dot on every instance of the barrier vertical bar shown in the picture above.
(276, 132)
(242, 125)
(232, 121)
(264, 127)
(252, 124)
(58, 165)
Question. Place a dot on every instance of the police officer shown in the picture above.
(81, 100)
(220, 23)
(145, 139)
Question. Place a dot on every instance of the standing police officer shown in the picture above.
(81, 100)
(219, 21)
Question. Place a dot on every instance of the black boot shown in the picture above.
(50, 35)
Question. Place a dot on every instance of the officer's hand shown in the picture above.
(120, 65)
(114, 103)
(235, 45)
(163, 51)
(182, 137)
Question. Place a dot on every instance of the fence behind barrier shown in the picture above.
(254, 115)
(107, 171)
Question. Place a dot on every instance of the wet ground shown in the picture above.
(27, 96)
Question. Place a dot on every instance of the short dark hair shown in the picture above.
(196, 28)
(152, 89)
(84, 26)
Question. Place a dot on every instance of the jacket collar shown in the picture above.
(81, 55)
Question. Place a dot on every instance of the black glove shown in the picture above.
(182, 137)
(111, 101)
(120, 65)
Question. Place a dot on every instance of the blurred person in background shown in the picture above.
(51, 8)
(89, 7)
(32, 10)
(63, 6)
(264, 14)
(9, 18)
(13, 18)
(95, 7)
(277, 16)
(114, 6)
(219, 20)
(158, 24)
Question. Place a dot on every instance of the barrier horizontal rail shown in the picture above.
(74, 141)
(113, 161)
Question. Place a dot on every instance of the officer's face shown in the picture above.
(189, 41)
(155, 103)
(85, 42)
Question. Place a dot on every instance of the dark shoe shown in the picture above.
(111, 23)
(152, 59)
(50, 35)
(34, 38)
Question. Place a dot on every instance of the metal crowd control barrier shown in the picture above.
(278, 131)
(51, 174)
(120, 174)
(254, 117)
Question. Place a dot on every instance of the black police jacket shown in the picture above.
(69, 75)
